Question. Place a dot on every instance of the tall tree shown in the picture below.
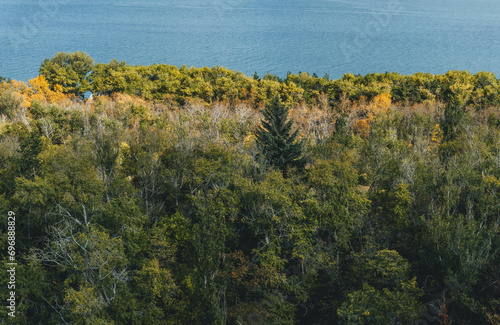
(29, 149)
(276, 141)
(457, 91)
(69, 70)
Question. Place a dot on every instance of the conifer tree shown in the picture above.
(276, 143)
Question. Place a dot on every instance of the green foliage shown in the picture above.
(371, 306)
(146, 205)
(77, 73)
(387, 295)
(453, 116)
(30, 148)
(69, 70)
(415, 88)
(339, 202)
(9, 103)
(276, 142)
(157, 284)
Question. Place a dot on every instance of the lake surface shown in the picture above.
(317, 36)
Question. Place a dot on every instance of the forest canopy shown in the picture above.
(204, 196)
(76, 73)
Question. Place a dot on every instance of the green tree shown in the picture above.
(69, 70)
(276, 141)
(457, 90)
(29, 150)
(209, 236)
(9, 103)
(157, 288)
(388, 294)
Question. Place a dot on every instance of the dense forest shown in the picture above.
(204, 196)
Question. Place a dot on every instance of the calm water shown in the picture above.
(317, 36)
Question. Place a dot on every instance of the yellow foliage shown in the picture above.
(124, 145)
(39, 84)
(58, 88)
(37, 89)
(437, 135)
(18, 88)
(40, 90)
(249, 138)
(379, 104)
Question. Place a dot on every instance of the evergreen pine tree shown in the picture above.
(275, 140)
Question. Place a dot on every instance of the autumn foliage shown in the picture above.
(150, 204)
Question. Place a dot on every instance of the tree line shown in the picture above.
(77, 73)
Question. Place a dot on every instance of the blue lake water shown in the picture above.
(317, 36)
